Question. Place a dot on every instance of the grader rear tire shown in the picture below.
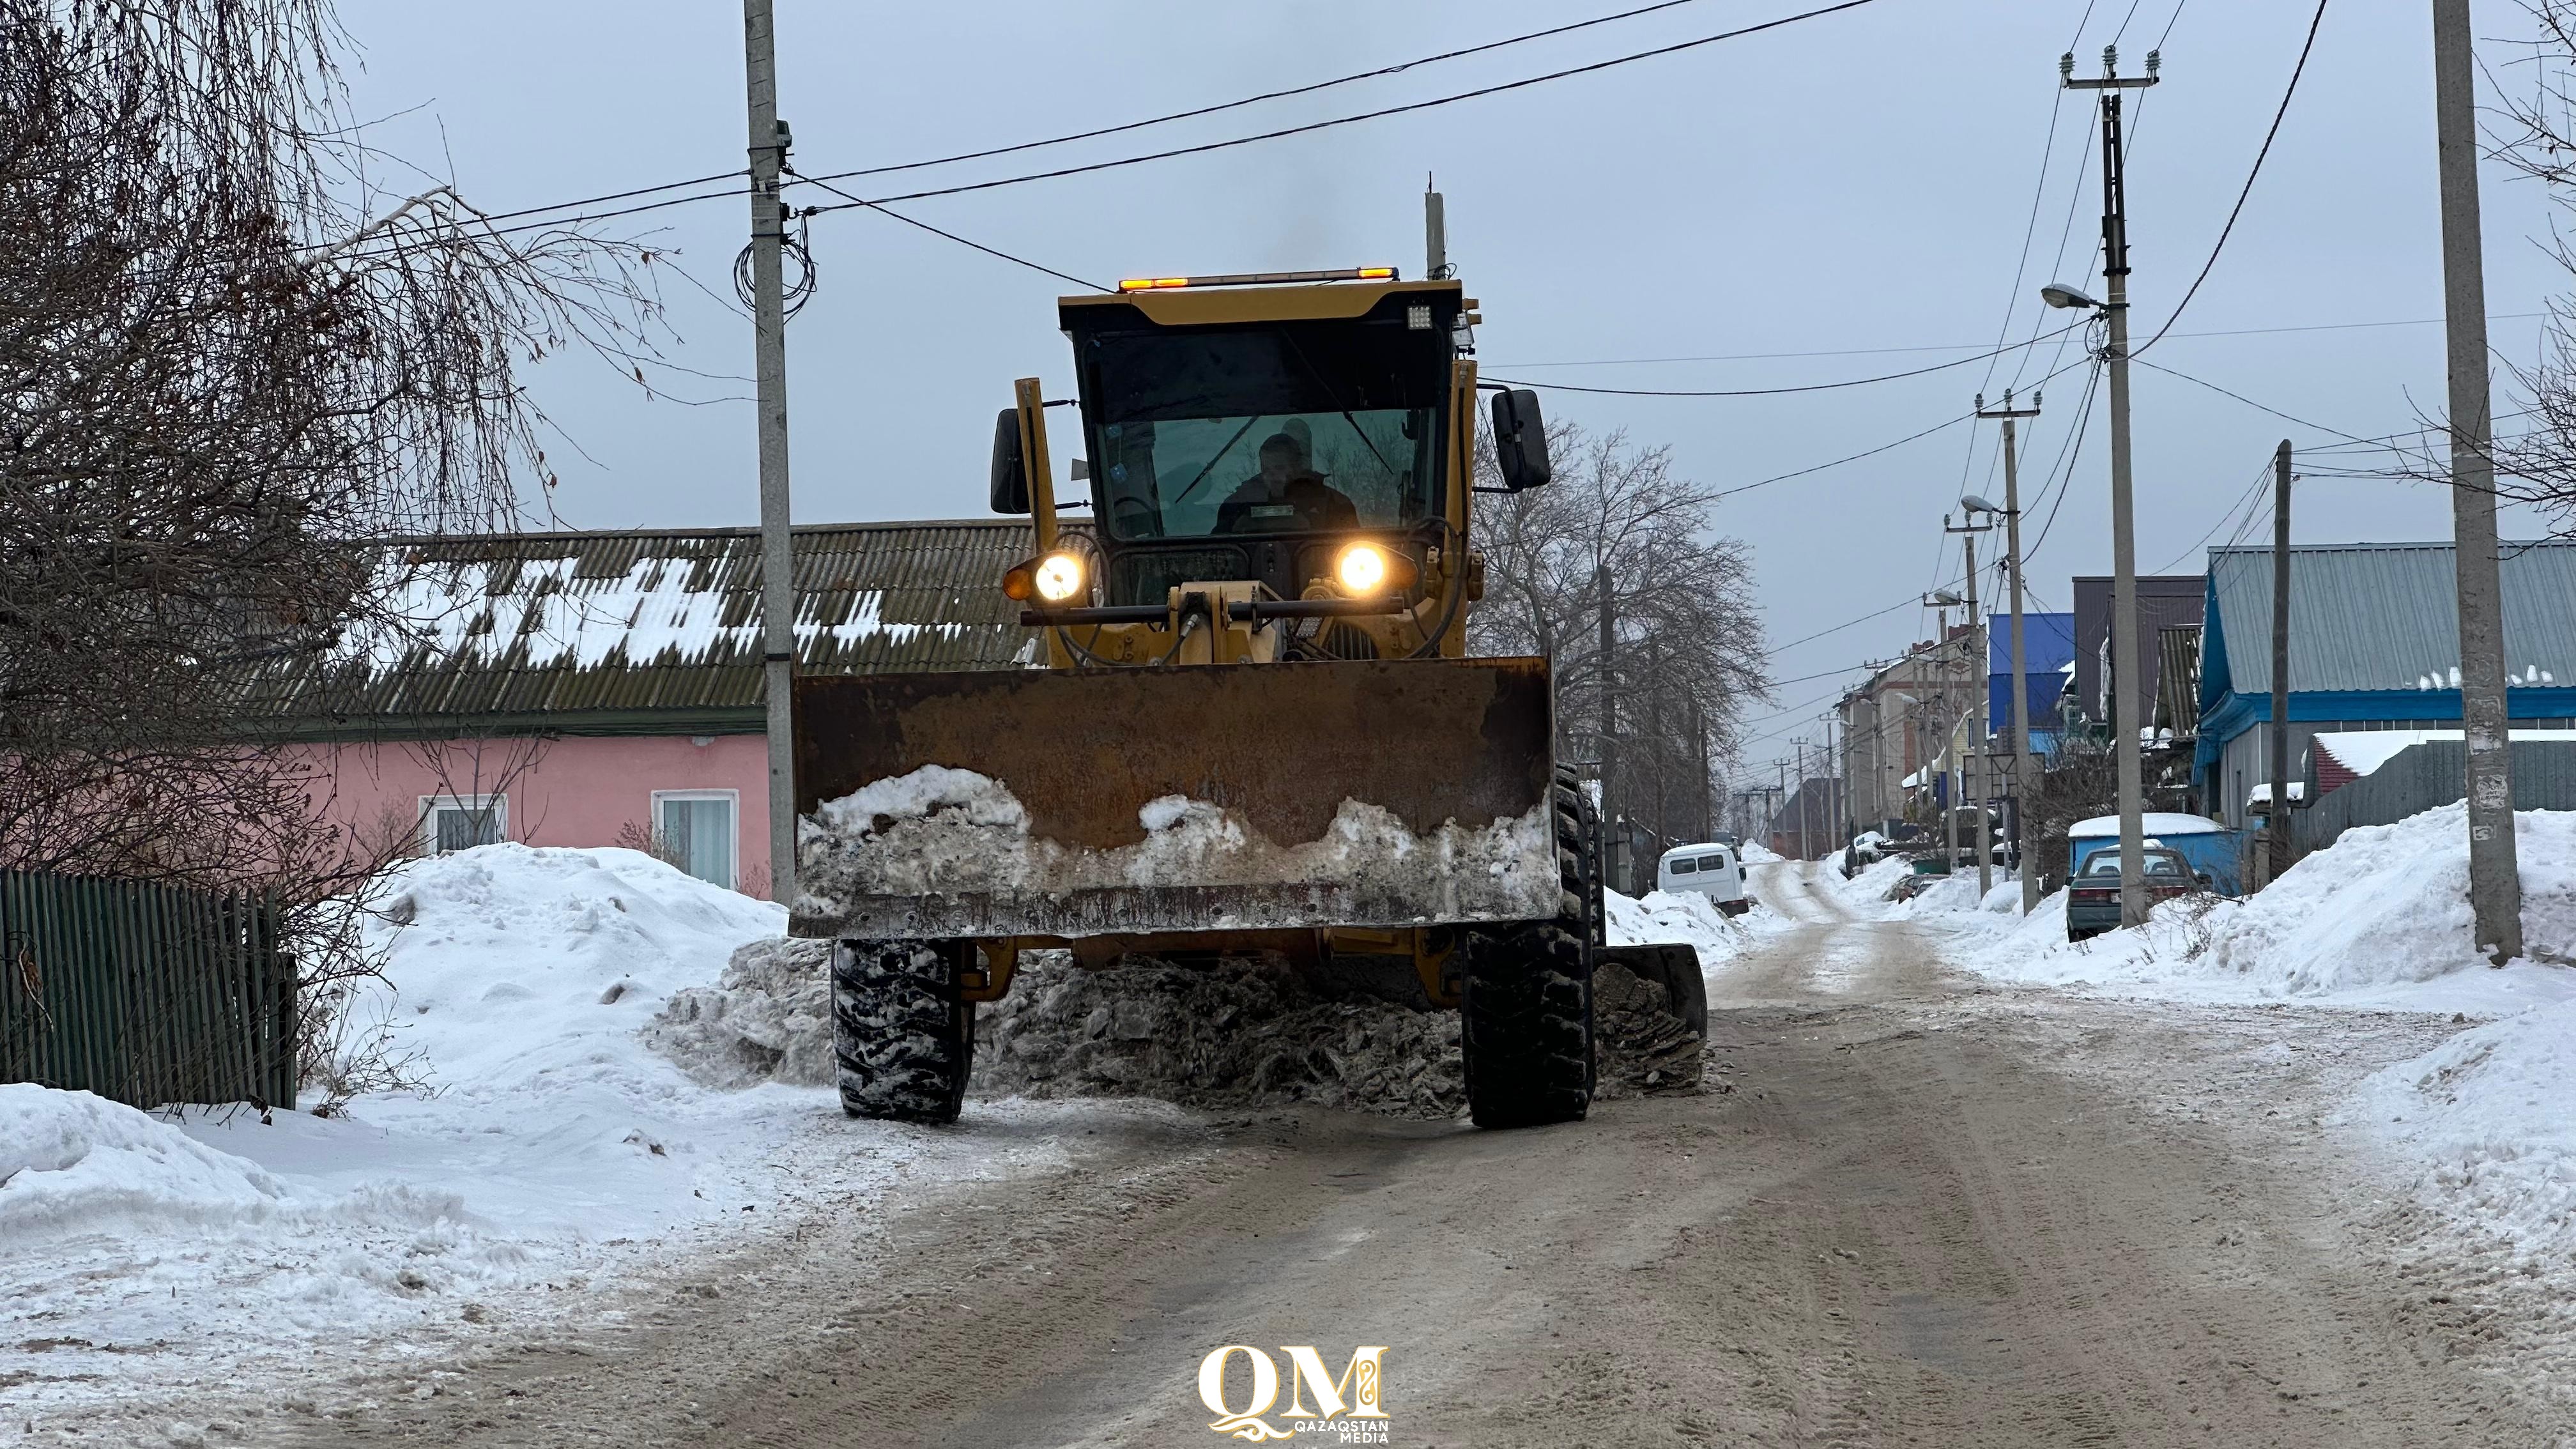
(1526, 1016)
(902, 1039)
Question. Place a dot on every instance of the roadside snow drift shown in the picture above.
(549, 1149)
(2380, 918)
(2490, 1117)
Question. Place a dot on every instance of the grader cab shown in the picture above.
(1259, 731)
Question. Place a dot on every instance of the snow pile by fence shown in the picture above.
(2490, 1117)
(71, 1162)
(2379, 918)
(517, 980)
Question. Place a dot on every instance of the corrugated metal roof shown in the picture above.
(2385, 615)
(560, 629)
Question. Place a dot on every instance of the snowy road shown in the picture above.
(1920, 1211)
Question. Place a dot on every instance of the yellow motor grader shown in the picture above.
(1259, 730)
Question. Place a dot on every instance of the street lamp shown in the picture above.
(1975, 504)
(2058, 294)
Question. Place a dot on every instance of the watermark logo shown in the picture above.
(1350, 1409)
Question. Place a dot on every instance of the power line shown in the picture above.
(1967, 346)
(1385, 70)
(962, 241)
(1803, 387)
(2248, 189)
(1379, 114)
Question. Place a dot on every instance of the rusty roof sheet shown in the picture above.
(559, 630)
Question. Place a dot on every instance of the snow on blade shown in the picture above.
(955, 853)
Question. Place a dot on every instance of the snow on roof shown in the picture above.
(659, 622)
(2362, 751)
(2155, 822)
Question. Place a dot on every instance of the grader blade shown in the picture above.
(1074, 803)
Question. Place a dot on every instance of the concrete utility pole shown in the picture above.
(768, 141)
(2276, 820)
(1798, 797)
(2126, 672)
(1974, 719)
(2021, 770)
(2495, 886)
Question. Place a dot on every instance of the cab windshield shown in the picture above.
(1305, 426)
(1266, 473)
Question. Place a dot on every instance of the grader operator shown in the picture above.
(1259, 730)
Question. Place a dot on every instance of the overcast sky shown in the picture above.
(1802, 205)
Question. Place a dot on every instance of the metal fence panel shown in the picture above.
(145, 993)
(2430, 773)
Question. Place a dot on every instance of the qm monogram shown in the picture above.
(1348, 1410)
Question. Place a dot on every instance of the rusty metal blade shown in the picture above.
(1083, 802)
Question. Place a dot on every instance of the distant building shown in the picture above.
(2374, 645)
(1900, 719)
(1805, 828)
(2164, 600)
(2048, 647)
(592, 689)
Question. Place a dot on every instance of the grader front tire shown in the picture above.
(902, 1038)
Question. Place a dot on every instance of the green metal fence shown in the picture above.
(144, 993)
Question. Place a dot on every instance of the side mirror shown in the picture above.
(1520, 440)
(1010, 468)
(2207, 881)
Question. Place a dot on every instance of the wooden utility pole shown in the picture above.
(768, 142)
(1609, 751)
(2126, 670)
(2495, 886)
(2276, 819)
(2021, 769)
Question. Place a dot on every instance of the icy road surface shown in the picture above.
(1914, 1209)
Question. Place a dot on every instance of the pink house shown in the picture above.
(591, 689)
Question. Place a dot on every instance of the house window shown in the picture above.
(696, 827)
(461, 822)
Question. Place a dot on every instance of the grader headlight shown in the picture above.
(1054, 578)
(1367, 568)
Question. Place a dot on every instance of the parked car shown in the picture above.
(1713, 869)
(2093, 898)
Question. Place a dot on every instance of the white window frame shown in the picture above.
(730, 797)
(430, 805)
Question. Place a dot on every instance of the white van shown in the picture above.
(1714, 870)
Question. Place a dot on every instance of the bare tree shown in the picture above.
(1686, 657)
(229, 359)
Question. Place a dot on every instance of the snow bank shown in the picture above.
(549, 1135)
(2489, 1117)
(1685, 916)
(71, 1162)
(2380, 918)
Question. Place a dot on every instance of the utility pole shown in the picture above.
(2021, 783)
(2495, 887)
(768, 142)
(1610, 728)
(1798, 797)
(2277, 819)
(1974, 720)
(2126, 671)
